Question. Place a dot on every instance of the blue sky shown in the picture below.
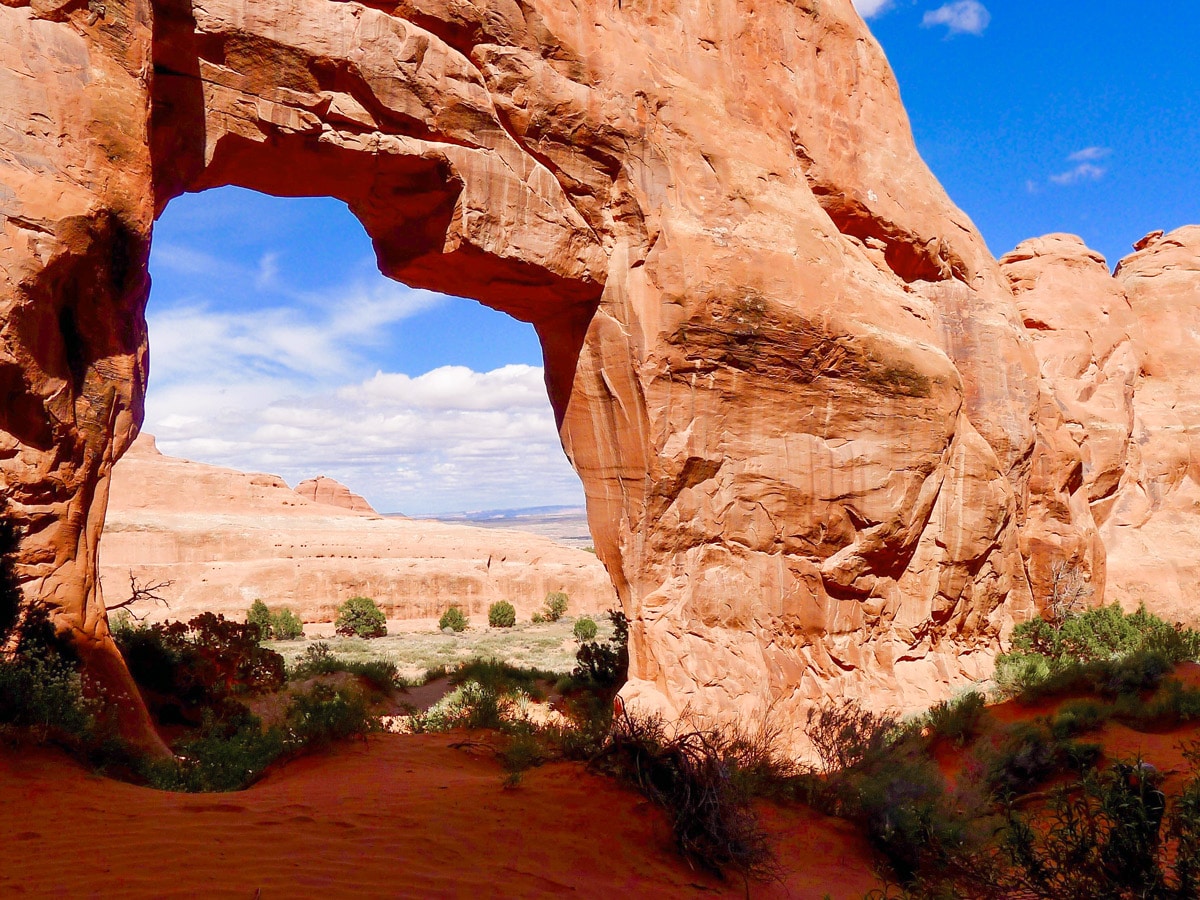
(277, 346)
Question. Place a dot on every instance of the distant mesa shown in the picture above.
(331, 492)
(225, 538)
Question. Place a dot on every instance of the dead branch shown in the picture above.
(140, 592)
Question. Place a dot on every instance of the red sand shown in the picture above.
(398, 816)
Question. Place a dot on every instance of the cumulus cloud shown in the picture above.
(282, 390)
(961, 17)
(1086, 166)
(869, 8)
(447, 440)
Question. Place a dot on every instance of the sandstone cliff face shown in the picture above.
(818, 453)
(1121, 354)
(226, 538)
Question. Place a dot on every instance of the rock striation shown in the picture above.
(226, 538)
(819, 453)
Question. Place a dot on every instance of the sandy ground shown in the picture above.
(396, 816)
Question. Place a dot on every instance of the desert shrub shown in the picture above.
(603, 666)
(691, 775)
(286, 625)
(259, 616)
(957, 720)
(183, 668)
(453, 619)
(537, 619)
(845, 736)
(501, 614)
(228, 753)
(10, 588)
(325, 715)
(1027, 755)
(1104, 837)
(41, 689)
(584, 629)
(904, 811)
(318, 659)
(502, 677)
(523, 749)
(556, 606)
(1171, 705)
(488, 694)
(1101, 649)
(1076, 717)
(360, 617)
(470, 705)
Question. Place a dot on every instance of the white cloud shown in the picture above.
(869, 8)
(961, 17)
(1085, 168)
(447, 440)
(281, 390)
(1089, 154)
(1083, 172)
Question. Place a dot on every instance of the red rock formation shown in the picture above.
(331, 492)
(1120, 352)
(809, 422)
(226, 538)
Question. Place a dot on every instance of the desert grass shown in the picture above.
(550, 647)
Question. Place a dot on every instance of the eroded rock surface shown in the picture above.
(226, 538)
(1122, 352)
(819, 456)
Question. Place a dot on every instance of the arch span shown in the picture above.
(791, 377)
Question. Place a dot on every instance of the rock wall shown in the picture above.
(1123, 354)
(226, 538)
(818, 453)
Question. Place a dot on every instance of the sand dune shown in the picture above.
(396, 816)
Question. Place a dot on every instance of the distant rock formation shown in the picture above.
(226, 538)
(332, 493)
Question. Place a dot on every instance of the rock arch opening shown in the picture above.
(276, 346)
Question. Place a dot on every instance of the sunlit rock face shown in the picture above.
(819, 456)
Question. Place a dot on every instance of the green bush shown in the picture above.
(325, 715)
(453, 619)
(1104, 836)
(603, 667)
(259, 616)
(227, 754)
(286, 625)
(556, 606)
(360, 617)
(380, 674)
(957, 720)
(501, 614)
(185, 668)
(1102, 649)
(41, 689)
(585, 629)
(10, 587)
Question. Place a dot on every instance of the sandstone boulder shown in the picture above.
(331, 492)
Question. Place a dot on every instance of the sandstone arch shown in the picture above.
(810, 426)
